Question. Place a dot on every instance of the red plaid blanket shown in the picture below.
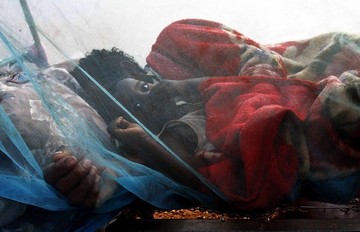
(285, 115)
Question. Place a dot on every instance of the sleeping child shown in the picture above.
(244, 125)
(260, 137)
(264, 124)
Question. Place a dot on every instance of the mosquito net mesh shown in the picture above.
(41, 110)
(214, 118)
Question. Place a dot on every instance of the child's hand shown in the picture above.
(137, 144)
(79, 181)
(130, 135)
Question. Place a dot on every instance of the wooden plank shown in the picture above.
(237, 225)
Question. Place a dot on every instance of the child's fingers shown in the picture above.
(118, 125)
(68, 182)
(60, 154)
(86, 192)
(57, 170)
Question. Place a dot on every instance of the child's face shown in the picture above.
(149, 102)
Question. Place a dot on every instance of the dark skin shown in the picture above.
(148, 101)
(79, 180)
(143, 147)
(76, 179)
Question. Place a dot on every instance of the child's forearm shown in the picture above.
(171, 166)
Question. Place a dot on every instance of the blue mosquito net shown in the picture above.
(41, 110)
(251, 145)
